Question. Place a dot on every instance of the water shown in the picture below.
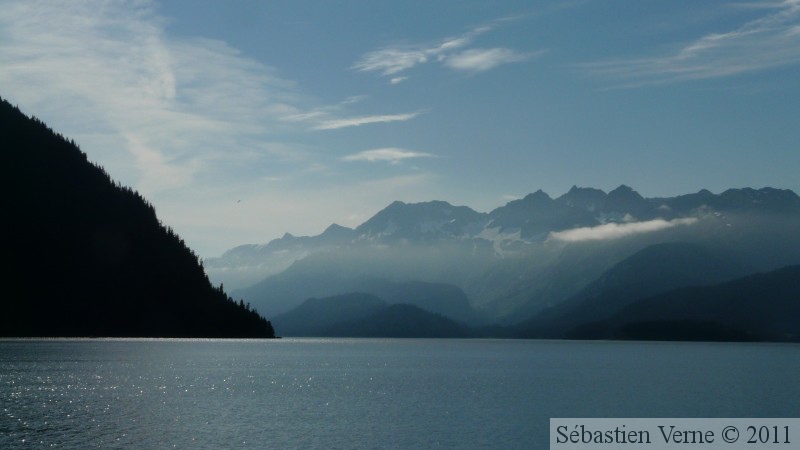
(369, 393)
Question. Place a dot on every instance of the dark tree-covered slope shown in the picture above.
(402, 321)
(653, 270)
(366, 315)
(315, 316)
(763, 306)
(88, 257)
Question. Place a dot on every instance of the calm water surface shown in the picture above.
(365, 393)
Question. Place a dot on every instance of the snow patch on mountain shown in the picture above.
(504, 241)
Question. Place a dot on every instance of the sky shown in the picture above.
(243, 120)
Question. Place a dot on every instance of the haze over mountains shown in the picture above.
(90, 258)
(528, 263)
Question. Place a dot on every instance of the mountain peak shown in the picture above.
(336, 231)
(424, 220)
(539, 194)
(588, 198)
(335, 228)
(625, 192)
(538, 198)
(625, 199)
(415, 208)
(623, 189)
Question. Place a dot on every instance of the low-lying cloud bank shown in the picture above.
(616, 230)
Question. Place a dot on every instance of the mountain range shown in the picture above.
(91, 258)
(535, 267)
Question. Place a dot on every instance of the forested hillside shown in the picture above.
(89, 257)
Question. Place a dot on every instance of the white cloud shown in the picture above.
(363, 120)
(163, 107)
(354, 99)
(392, 60)
(333, 117)
(389, 154)
(768, 42)
(302, 117)
(479, 59)
(156, 110)
(616, 230)
(189, 122)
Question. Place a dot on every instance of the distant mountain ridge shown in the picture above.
(507, 228)
(420, 222)
(528, 256)
(402, 321)
(246, 264)
(532, 254)
(317, 316)
(365, 315)
(759, 307)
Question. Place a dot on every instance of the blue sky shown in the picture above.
(243, 120)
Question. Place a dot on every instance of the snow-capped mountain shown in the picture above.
(421, 222)
(507, 230)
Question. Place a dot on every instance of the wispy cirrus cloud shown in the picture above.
(391, 61)
(768, 42)
(480, 59)
(390, 154)
(395, 59)
(617, 230)
(334, 117)
(157, 110)
(170, 116)
(346, 122)
(397, 80)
